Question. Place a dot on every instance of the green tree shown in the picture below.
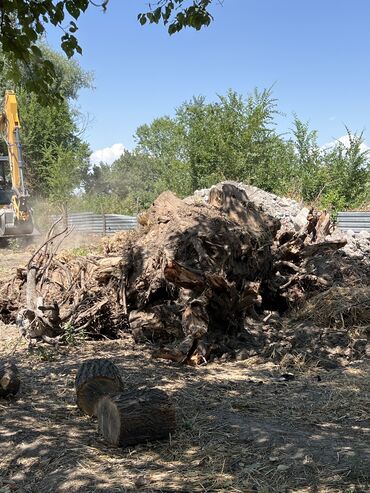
(97, 180)
(177, 14)
(311, 171)
(163, 141)
(230, 139)
(130, 184)
(233, 138)
(49, 125)
(43, 127)
(348, 168)
(64, 169)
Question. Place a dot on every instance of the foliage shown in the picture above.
(22, 24)
(50, 132)
(63, 169)
(42, 353)
(176, 14)
(107, 203)
(79, 251)
(73, 336)
(162, 144)
(311, 170)
(234, 138)
(46, 128)
(347, 174)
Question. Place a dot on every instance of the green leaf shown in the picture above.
(173, 28)
(72, 9)
(72, 27)
(142, 19)
(36, 51)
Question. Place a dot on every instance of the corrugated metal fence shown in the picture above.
(355, 221)
(88, 222)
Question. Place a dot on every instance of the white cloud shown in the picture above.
(345, 141)
(107, 155)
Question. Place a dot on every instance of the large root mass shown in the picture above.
(187, 281)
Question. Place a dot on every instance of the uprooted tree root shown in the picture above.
(184, 282)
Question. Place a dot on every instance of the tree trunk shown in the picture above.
(9, 381)
(136, 417)
(95, 379)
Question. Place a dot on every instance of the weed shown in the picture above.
(79, 251)
(72, 336)
(45, 353)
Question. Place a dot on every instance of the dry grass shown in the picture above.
(346, 307)
(240, 428)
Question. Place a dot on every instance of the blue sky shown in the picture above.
(315, 52)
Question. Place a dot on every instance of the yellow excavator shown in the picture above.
(15, 212)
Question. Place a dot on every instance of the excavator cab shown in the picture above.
(5, 183)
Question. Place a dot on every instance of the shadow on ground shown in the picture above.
(240, 429)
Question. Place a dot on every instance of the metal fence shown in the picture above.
(90, 223)
(355, 221)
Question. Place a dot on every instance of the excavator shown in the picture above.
(16, 219)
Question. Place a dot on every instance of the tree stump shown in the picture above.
(95, 379)
(9, 381)
(136, 417)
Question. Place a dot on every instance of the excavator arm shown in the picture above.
(16, 217)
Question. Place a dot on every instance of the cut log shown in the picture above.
(9, 381)
(136, 417)
(95, 379)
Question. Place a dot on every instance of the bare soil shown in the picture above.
(18, 254)
(241, 427)
(261, 425)
(11, 259)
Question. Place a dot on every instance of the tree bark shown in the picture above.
(95, 379)
(136, 417)
(9, 381)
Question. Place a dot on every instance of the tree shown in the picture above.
(311, 171)
(164, 142)
(46, 127)
(132, 182)
(23, 22)
(63, 169)
(52, 125)
(230, 139)
(348, 167)
(233, 138)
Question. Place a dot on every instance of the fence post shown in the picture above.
(104, 224)
(65, 215)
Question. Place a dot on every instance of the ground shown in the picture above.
(11, 259)
(241, 426)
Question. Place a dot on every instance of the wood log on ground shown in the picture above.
(136, 417)
(9, 380)
(95, 379)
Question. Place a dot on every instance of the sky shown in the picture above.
(315, 54)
